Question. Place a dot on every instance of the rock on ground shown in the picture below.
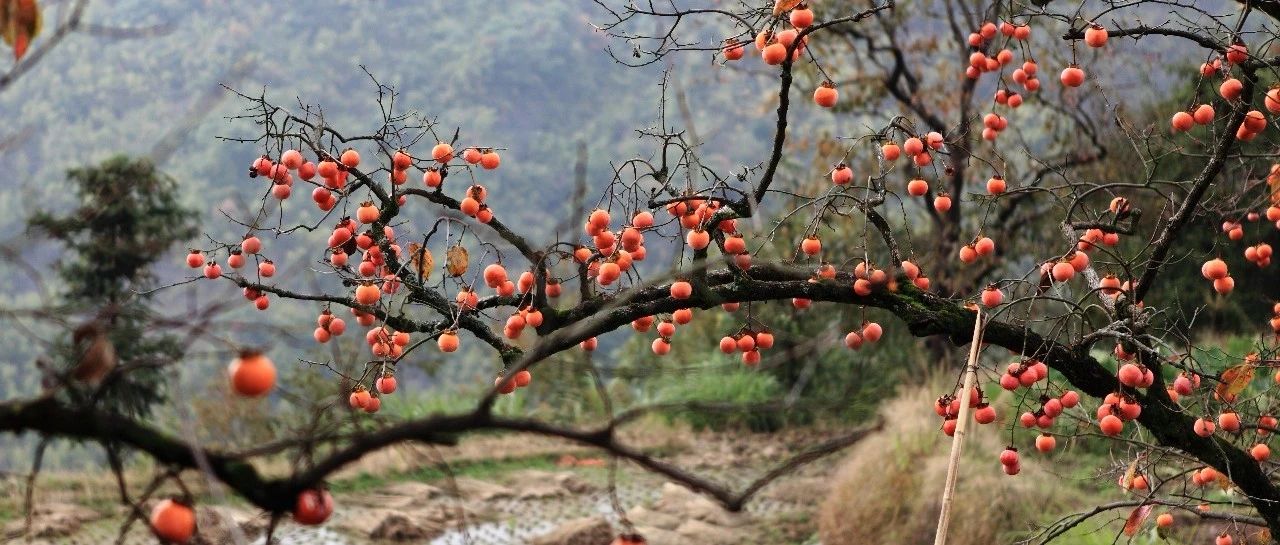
(583, 531)
(399, 527)
(217, 525)
(475, 489)
(643, 516)
(391, 525)
(696, 531)
(680, 501)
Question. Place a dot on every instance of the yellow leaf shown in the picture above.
(1136, 518)
(456, 261)
(1234, 381)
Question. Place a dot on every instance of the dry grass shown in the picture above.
(889, 488)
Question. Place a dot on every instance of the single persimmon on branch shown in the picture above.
(1003, 150)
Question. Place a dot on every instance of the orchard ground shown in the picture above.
(508, 489)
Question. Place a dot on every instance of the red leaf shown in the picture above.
(1136, 518)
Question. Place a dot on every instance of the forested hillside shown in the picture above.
(536, 78)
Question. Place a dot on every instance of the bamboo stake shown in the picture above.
(957, 441)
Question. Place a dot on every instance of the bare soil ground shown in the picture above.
(499, 489)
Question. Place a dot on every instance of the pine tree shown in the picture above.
(128, 217)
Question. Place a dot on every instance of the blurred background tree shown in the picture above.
(128, 218)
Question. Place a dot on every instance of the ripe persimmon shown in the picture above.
(608, 273)
(728, 345)
(1062, 271)
(774, 53)
(1260, 452)
(313, 507)
(367, 212)
(1229, 421)
(252, 374)
(801, 16)
(359, 398)
(826, 95)
(385, 384)
(1272, 100)
(251, 245)
(996, 185)
(173, 521)
(195, 259)
(1095, 36)
(917, 187)
(442, 152)
(1111, 425)
(984, 246)
(733, 49)
(431, 177)
(367, 294)
(642, 220)
(448, 341)
(842, 174)
(490, 160)
(1231, 89)
(661, 346)
(698, 239)
(942, 202)
(1072, 76)
(350, 158)
(811, 246)
(495, 274)
(992, 296)
(1214, 269)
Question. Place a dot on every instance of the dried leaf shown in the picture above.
(456, 261)
(1045, 282)
(1234, 381)
(1273, 182)
(783, 6)
(1126, 480)
(421, 259)
(20, 23)
(1223, 482)
(1136, 518)
(97, 353)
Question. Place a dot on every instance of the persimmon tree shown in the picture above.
(977, 187)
